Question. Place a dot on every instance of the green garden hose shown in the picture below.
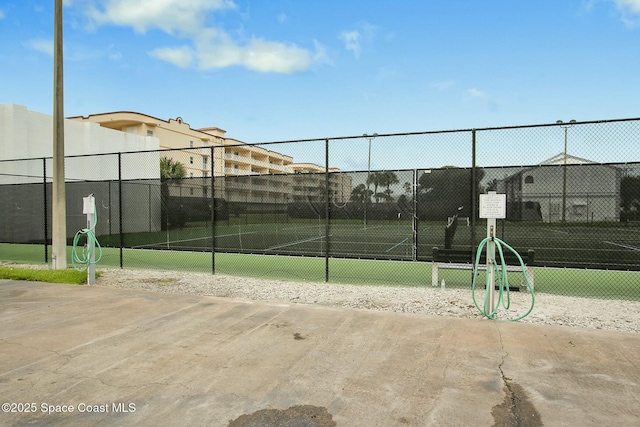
(502, 280)
(81, 262)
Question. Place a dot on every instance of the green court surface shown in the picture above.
(608, 284)
(596, 246)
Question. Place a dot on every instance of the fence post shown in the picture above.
(213, 213)
(46, 213)
(326, 210)
(120, 210)
(415, 215)
(474, 196)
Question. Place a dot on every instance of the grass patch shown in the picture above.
(71, 277)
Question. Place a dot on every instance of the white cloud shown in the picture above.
(181, 56)
(477, 93)
(216, 49)
(351, 41)
(354, 39)
(321, 56)
(632, 6)
(207, 46)
(171, 16)
(41, 45)
(629, 11)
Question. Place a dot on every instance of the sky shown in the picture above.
(282, 70)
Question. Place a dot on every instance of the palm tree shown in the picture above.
(375, 179)
(382, 179)
(388, 179)
(360, 194)
(169, 170)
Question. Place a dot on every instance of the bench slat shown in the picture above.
(460, 259)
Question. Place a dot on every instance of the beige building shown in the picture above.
(251, 171)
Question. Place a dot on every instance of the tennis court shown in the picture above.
(555, 245)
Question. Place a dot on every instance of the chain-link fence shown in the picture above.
(368, 209)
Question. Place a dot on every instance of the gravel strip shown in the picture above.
(611, 315)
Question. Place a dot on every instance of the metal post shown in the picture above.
(326, 210)
(59, 209)
(414, 221)
(368, 198)
(491, 254)
(564, 170)
(120, 215)
(90, 211)
(213, 213)
(474, 196)
(46, 211)
(564, 179)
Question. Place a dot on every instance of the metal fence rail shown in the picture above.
(378, 197)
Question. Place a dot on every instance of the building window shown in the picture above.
(204, 163)
(149, 133)
(205, 174)
(528, 179)
(191, 191)
(190, 144)
(580, 209)
(191, 160)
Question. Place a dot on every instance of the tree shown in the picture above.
(170, 170)
(442, 191)
(382, 179)
(374, 178)
(630, 198)
(387, 179)
(360, 194)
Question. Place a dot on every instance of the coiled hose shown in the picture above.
(502, 280)
(81, 262)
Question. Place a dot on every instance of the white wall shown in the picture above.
(26, 134)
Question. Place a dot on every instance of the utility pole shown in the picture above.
(564, 170)
(59, 209)
(368, 197)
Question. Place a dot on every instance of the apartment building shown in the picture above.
(252, 173)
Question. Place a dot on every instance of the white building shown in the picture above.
(564, 188)
(26, 139)
(26, 134)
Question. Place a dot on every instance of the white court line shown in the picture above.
(633, 248)
(396, 245)
(295, 243)
(188, 240)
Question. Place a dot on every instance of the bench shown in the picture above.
(463, 259)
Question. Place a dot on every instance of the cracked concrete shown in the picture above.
(516, 410)
(161, 359)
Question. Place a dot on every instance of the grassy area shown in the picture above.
(71, 277)
(604, 284)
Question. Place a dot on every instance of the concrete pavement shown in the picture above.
(80, 355)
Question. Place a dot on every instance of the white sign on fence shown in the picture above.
(493, 205)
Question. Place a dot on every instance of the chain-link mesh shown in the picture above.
(368, 209)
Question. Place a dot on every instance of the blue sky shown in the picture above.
(284, 69)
